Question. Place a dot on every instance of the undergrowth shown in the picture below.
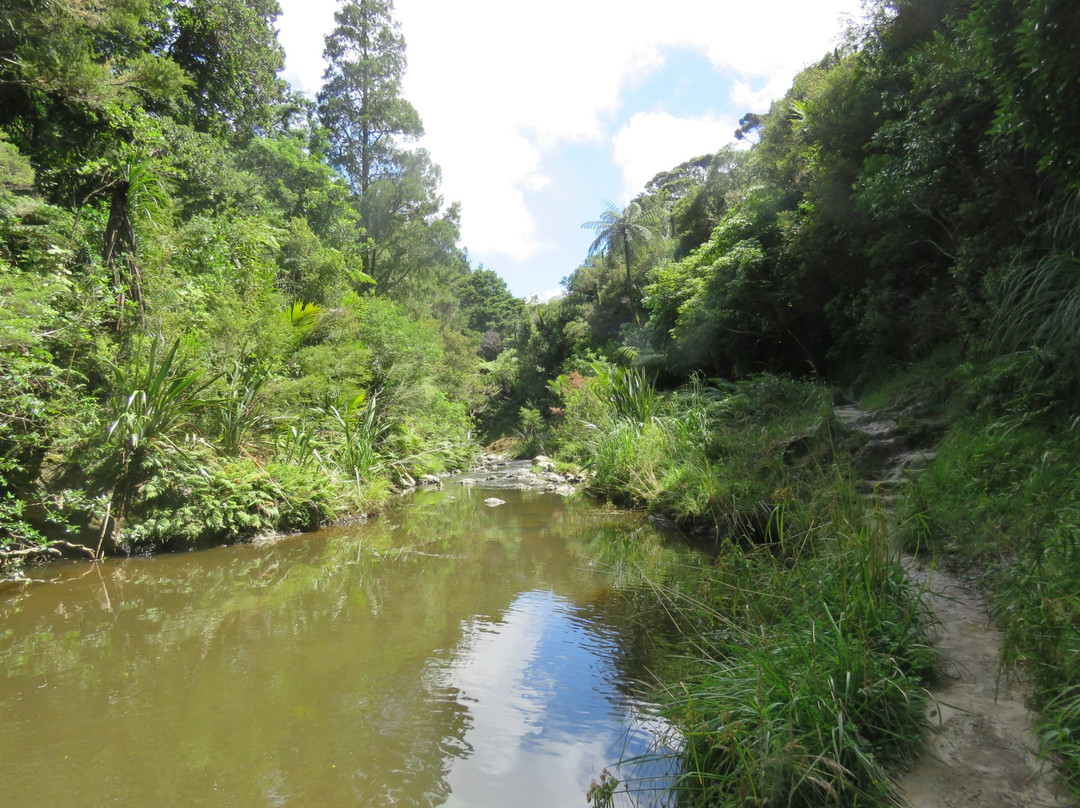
(712, 455)
(808, 646)
(813, 688)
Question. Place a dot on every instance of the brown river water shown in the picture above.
(447, 653)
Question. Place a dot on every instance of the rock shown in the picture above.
(565, 490)
(494, 502)
(544, 463)
(431, 480)
(879, 452)
(663, 522)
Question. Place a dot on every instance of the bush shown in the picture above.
(229, 501)
(708, 454)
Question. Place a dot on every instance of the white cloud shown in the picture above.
(502, 85)
(651, 142)
(302, 28)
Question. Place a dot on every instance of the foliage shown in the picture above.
(230, 501)
(714, 457)
(366, 120)
(620, 232)
(182, 255)
(151, 402)
(1037, 318)
(812, 687)
(530, 433)
(1026, 52)
(810, 652)
(361, 103)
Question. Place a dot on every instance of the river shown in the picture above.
(447, 653)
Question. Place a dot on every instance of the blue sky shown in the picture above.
(538, 113)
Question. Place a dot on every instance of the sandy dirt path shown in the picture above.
(981, 752)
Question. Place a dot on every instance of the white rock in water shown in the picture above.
(494, 502)
(544, 463)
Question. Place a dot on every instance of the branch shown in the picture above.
(45, 549)
(28, 551)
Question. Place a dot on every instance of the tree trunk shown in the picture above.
(119, 252)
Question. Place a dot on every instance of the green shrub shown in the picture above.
(708, 454)
(227, 501)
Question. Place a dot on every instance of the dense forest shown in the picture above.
(229, 309)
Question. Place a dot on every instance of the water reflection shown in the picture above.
(546, 703)
(448, 654)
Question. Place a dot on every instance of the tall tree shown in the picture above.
(365, 116)
(361, 103)
(230, 51)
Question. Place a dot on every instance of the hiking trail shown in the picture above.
(980, 751)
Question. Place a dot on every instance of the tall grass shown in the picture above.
(811, 670)
(813, 687)
(1036, 319)
(713, 456)
(810, 647)
(237, 418)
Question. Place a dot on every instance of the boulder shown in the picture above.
(544, 463)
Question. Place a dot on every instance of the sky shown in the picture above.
(539, 113)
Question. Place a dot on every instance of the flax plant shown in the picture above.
(151, 407)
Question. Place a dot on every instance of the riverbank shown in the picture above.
(810, 650)
(808, 508)
(194, 524)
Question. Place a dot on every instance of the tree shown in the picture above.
(1027, 51)
(400, 213)
(488, 304)
(229, 49)
(361, 103)
(618, 230)
(364, 114)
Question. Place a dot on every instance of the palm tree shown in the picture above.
(617, 229)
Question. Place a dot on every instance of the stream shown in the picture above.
(447, 653)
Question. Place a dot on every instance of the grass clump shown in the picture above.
(814, 677)
(810, 650)
(713, 456)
